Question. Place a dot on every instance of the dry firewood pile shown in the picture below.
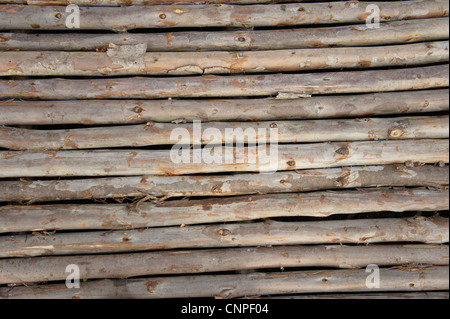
(224, 148)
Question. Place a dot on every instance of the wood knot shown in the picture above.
(151, 285)
(290, 163)
(343, 150)
(138, 109)
(224, 232)
(396, 132)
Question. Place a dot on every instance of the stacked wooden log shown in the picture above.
(87, 176)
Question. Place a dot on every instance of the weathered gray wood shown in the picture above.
(235, 184)
(143, 111)
(433, 230)
(229, 86)
(42, 269)
(395, 32)
(216, 210)
(254, 284)
(133, 60)
(160, 162)
(23, 17)
(397, 128)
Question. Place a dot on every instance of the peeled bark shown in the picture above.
(229, 185)
(23, 17)
(119, 216)
(138, 111)
(433, 230)
(254, 284)
(133, 60)
(229, 86)
(249, 159)
(38, 269)
(287, 132)
(395, 32)
(213, 246)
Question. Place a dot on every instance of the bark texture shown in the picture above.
(23, 17)
(38, 269)
(120, 216)
(229, 185)
(142, 111)
(229, 86)
(254, 284)
(133, 60)
(230, 159)
(395, 32)
(432, 230)
(286, 131)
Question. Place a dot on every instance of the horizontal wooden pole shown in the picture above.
(133, 60)
(216, 210)
(434, 230)
(288, 132)
(238, 285)
(23, 17)
(40, 269)
(142, 111)
(160, 162)
(228, 86)
(229, 185)
(395, 32)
